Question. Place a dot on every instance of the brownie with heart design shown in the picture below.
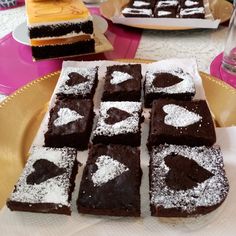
(122, 83)
(111, 181)
(78, 82)
(181, 122)
(70, 123)
(47, 182)
(119, 123)
(186, 181)
(168, 82)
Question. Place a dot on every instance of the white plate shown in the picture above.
(20, 33)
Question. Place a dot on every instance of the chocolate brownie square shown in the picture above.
(119, 123)
(170, 82)
(111, 181)
(78, 82)
(136, 12)
(122, 83)
(70, 124)
(181, 122)
(186, 181)
(47, 182)
(195, 12)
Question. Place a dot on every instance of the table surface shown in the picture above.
(202, 44)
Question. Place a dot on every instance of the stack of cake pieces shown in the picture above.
(47, 182)
(165, 9)
(186, 172)
(59, 28)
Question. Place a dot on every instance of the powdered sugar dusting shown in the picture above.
(208, 193)
(120, 77)
(108, 169)
(172, 3)
(129, 125)
(140, 4)
(178, 116)
(53, 190)
(190, 3)
(81, 88)
(65, 116)
(136, 11)
(191, 11)
(163, 13)
(186, 85)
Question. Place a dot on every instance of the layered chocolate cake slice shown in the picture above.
(111, 181)
(181, 122)
(186, 181)
(59, 28)
(119, 123)
(47, 182)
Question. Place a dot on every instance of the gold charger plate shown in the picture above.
(221, 9)
(22, 112)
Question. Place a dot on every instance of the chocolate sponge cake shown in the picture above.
(186, 181)
(181, 122)
(122, 83)
(119, 123)
(111, 181)
(70, 124)
(169, 82)
(47, 182)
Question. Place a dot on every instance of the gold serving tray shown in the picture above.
(221, 9)
(22, 112)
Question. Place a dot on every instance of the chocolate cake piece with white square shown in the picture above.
(168, 81)
(78, 82)
(111, 181)
(47, 182)
(122, 83)
(70, 123)
(181, 122)
(119, 123)
(186, 181)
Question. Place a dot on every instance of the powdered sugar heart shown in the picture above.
(65, 116)
(119, 77)
(178, 116)
(108, 169)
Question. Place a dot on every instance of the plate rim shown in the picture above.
(158, 27)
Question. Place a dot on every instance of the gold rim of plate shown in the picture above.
(221, 9)
(22, 112)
